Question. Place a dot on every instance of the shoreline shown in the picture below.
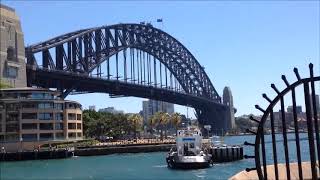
(95, 150)
(107, 150)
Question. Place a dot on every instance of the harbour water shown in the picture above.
(133, 166)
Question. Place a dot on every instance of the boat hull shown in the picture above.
(188, 162)
(182, 165)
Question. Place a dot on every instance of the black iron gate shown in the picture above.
(297, 129)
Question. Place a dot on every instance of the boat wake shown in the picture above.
(160, 166)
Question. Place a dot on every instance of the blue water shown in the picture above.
(126, 166)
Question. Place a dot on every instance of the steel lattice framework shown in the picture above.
(84, 50)
(67, 62)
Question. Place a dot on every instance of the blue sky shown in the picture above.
(244, 45)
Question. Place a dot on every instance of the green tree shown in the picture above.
(153, 122)
(165, 121)
(176, 120)
(136, 122)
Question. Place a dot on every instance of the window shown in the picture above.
(79, 117)
(71, 116)
(58, 126)
(13, 106)
(45, 116)
(47, 96)
(12, 137)
(42, 96)
(25, 95)
(71, 135)
(72, 126)
(37, 96)
(29, 105)
(12, 117)
(12, 72)
(1, 138)
(78, 125)
(30, 126)
(46, 126)
(45, 105)
(29, 116)
(79, 135)
(73, 106)
(59, 136)
(11, 53)
(12, 128)
(29, 137)
(59, 116)
(0, 126)
(58, 106)
(46, 136)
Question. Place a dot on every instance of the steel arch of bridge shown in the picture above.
(84, 50)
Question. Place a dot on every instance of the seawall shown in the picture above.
(93, 151)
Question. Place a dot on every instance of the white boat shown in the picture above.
(188, 152)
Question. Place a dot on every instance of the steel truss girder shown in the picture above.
(82, 51)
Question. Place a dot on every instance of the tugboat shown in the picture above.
(188, 152)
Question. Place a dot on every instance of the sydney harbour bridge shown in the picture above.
(127, 60)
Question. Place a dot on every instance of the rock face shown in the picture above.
(228, 100)
(12, 53)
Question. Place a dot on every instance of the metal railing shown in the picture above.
(279, 125)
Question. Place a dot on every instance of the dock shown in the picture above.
(36, 155)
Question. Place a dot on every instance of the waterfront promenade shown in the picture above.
(137, 142)
(252, 175)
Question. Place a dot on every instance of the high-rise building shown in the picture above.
(298, 109)
(228, 100)
(150, 107)
(12, 53)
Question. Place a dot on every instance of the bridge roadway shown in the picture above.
(84, 83)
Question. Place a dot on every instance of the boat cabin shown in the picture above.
(189, 142)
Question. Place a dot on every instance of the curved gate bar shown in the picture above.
(259, 140)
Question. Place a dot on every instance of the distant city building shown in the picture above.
(298, 109)
(289, 118)
(111, 110)
(150, 107)
(32, 116)
(12, 52)
(228, 100)
(92, 108)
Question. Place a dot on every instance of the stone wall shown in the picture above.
(12, 53)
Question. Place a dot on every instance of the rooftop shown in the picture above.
(7, 7)
(28, 89)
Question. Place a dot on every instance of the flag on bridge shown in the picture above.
(159, 20)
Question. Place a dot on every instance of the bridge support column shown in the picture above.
(217, 117)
